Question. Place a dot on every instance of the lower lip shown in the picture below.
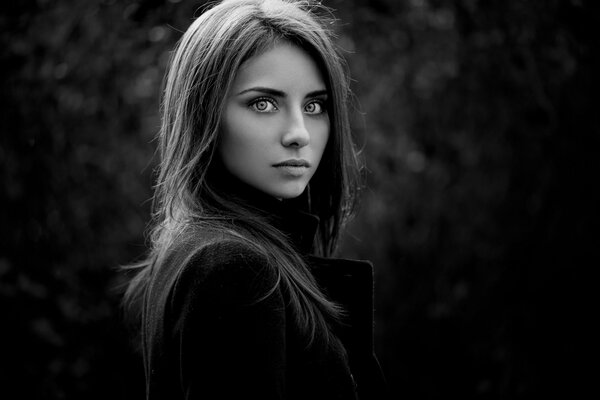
(292, 170)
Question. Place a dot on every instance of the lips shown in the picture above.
(293, 163)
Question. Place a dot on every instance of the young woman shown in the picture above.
(258, 173)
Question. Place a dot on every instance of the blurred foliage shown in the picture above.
(480, 212)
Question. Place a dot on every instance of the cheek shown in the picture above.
(233, 134)
(326, 137)
(230, 141)
(321, 138)
(241, 145)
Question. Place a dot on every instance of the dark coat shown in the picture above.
(214, 328)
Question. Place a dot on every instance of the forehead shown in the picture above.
(284, 66)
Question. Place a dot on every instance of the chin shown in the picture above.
(290, 191)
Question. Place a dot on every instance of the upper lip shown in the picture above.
(293, 163)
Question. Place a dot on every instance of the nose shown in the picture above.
(295, 133)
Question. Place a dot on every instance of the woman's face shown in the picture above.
(275, 126)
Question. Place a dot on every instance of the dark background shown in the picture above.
(480, 211)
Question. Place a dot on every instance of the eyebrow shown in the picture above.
(279, 93)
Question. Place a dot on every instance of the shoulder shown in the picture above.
(204, 255)
(225, 271)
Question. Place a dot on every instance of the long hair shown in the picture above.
(202, 70)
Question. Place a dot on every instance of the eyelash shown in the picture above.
(269, 100)
(321, 104)
(273, 103)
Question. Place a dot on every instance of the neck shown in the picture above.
(288, 216)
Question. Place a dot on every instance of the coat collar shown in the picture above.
(291, 217)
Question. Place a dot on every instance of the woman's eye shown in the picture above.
(263, 106)
(314, 107)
